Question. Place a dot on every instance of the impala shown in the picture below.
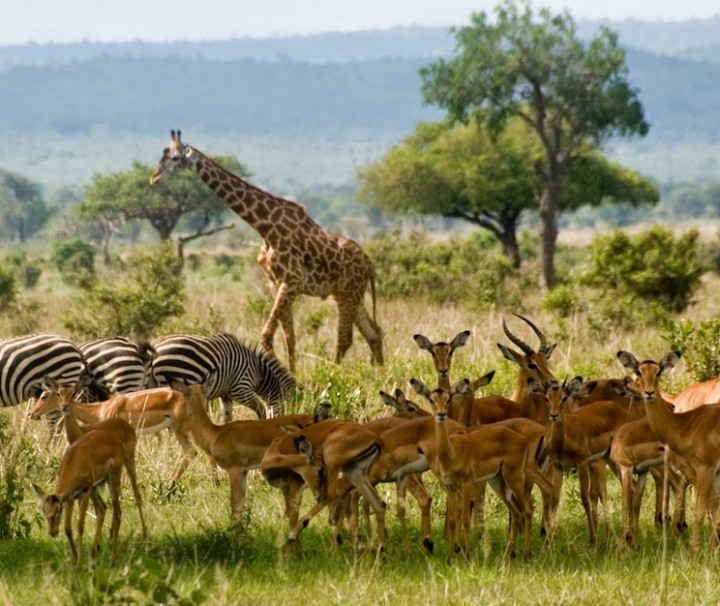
(96, 456)
(581, 437)
(65, 394)
(238, 446)
(493, 454)
(695, 395)
(331, 457)
(532, 365)
(691, 435)
(147, 410)
(471, 411)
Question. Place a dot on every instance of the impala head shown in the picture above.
(462, 393)
(174, 157)
(404, 408)
(439, 398)
(565, 398)
(442, 352)
(58, 395)
(647, 373)
(52, 508)
(314, 474)
(533, 364)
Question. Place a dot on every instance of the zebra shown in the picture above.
(117, 365)
(228, 369)
(26, 360)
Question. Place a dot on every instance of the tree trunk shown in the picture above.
(510, 248)
(548, 233)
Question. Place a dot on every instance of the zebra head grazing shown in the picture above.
(227, 369)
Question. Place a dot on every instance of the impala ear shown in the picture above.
(420, 388)
(460, 339)
(39, 492)
(628, 360)
(423, 342)
(388, 400)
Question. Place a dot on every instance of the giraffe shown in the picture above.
(299, 256)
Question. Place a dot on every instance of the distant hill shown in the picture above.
(306, 110)
(668, 38)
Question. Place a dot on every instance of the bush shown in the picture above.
(563, 300)
(654, 266)
(74, 258)
(25, 271)
(136, 304)
(700, 346)
(8, 289)
(469, 270)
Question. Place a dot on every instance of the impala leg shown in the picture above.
(114, 488)
(584, 477)
(83, 503)
(132, 474)
(100, 509)
(703, 487)
(424, 500)
(238, 483)
(67, 511)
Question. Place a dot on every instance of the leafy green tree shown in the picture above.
(23, 211)
(572, 95)
(119, 197)
(463, 172)
(456, 172)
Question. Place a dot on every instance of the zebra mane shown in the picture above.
(271, 362)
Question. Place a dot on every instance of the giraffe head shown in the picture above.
(174, 157)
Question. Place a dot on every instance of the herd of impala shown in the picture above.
(511, 444)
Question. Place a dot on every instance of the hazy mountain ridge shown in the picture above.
(671, 37)
(324, 105)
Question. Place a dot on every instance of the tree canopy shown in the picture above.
(126, 196)
(466, 172)
(572, 95)
(23, 210)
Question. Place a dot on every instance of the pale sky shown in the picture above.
(42, 21)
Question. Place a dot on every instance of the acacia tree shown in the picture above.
(119, 197)
(572, 95)
(462, 172)
(456, 172)
(23, 210)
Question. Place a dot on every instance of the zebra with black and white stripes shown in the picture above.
(26, 360)
(227, 368)
(117, 365)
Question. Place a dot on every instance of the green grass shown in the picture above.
(192, 557)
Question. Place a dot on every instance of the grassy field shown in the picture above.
(191, 557)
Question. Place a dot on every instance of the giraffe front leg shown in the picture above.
(281, 313)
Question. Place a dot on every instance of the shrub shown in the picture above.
(700, 346)
(25, 271)
(135, 303)
(563, 300)
(8, 289)
(653, 266)
(468, 270)
(74, 258)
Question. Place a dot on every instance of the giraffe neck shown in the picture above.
(260, 209)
